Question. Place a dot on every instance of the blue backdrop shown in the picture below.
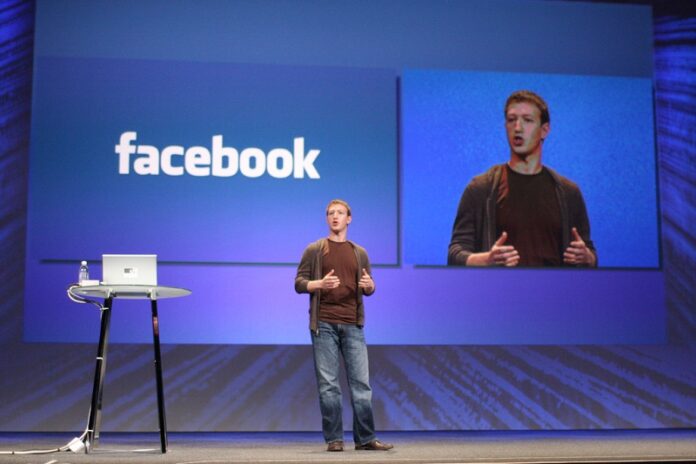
(461, 387)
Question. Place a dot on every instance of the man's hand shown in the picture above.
(366, 282)
(578, 252)
(499, 255)
(503, 255)
(329, 281)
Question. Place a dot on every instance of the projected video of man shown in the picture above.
(522, 213)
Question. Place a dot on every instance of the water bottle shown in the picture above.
(84, 273)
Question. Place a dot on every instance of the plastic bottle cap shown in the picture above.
(83, 263)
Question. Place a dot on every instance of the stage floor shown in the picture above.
(615, 446)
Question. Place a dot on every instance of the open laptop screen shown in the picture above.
(129, 269)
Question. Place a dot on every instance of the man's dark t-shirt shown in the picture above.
(531, 216)
(339, 305)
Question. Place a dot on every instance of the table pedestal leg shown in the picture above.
(158, 374)
(94, 421)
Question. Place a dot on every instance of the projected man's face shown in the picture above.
(525, 131)
(337, 217)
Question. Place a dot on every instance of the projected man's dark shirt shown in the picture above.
(340, 305)
(531, 216)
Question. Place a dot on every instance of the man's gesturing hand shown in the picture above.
(503, 255)
(366, 282)
(329, 281)
(578, 252)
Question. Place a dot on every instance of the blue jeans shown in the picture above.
(332, 342)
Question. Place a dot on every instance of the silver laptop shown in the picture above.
(129, 269)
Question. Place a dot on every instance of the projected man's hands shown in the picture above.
(503, 255)
(578, 252)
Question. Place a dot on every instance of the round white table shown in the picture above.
(108, 293)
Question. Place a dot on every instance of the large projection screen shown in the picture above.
(219, 150)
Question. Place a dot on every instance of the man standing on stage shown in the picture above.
(336, 273)
(522, 213)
